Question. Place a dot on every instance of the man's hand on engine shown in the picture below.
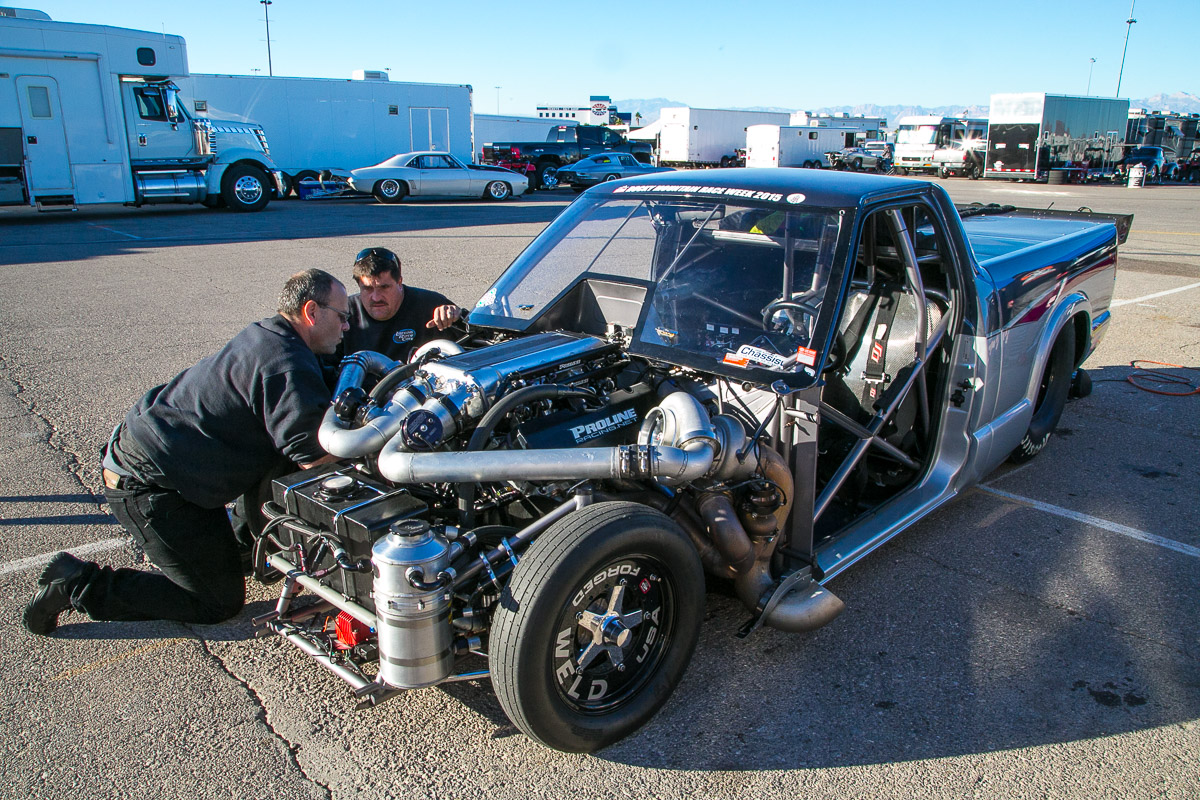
(444, 317)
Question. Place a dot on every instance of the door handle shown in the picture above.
(142, 139)
(31, 139)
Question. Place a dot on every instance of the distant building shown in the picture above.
(599, 111)
(872, 126)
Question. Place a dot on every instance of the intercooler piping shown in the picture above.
(687, 453)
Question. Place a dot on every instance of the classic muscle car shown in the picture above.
(758, 375)
(432, 174)
(604, 167)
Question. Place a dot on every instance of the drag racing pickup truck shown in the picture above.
(750, 378)
(564, 145)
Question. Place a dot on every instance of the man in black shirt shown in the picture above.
(192, 445)
(388, 317)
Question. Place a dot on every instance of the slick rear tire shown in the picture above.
(1052, 396)
(245, 187)
(597, 626)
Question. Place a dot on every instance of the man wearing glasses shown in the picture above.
(192, 445)
(387, 316)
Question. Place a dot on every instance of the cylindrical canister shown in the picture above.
(414, 630)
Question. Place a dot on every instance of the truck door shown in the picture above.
(158, 130)
(589, 141)
(49, 162)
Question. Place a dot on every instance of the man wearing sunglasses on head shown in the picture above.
(192, 445)
(387, 316)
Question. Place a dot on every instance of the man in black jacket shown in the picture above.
(387, 316)
(192, 445)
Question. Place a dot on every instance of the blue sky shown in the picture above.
(798, 55)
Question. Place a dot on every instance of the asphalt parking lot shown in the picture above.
(1037, 637)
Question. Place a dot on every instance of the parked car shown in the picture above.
(564, 145)
(432, 174)
(1158, 167)
(604, 167)
(759, 374)
(857, 159)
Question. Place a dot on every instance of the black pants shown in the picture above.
(195, 549)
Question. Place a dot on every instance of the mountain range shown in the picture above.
(649, 108)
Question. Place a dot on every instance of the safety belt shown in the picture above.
(874, 375)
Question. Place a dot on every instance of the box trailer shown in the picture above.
(707, 137)
(322, 124)
(1031, 134)
(92, 114)
(795, 145)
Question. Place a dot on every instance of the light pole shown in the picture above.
(498, 88)
(266, 4)
(1128, 27)
(1092, 67)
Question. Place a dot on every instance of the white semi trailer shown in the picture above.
(707, 137)
(92, 114)
(320, 124)
(795, 145)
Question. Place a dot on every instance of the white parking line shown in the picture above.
(1088, 519)
(1156, 294)
(40, 560)
(113, 230)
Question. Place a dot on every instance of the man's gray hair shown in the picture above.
(312, 284)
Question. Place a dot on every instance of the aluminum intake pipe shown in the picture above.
(686, 456)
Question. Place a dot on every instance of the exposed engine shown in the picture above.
(456, 464)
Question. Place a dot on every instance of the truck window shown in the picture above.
(587, 136)
(150, 104)
(611, 139)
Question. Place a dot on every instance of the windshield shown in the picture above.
(734, 285)
(916, 134)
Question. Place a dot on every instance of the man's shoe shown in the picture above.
(59, 580)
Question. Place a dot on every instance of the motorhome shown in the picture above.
(918, 138)
(92, 114)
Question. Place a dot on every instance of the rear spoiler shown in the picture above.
(1123, 221)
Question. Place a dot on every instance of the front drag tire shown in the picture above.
(597, 626)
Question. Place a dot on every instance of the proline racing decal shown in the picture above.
(593, 430)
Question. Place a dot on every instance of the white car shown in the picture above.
(433, 174)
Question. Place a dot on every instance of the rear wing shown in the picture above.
(1123, 221)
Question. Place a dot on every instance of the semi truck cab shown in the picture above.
(90, 114)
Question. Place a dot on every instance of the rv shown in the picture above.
(320, 124)
(92, 114)
(1031, 134)
(919, 138)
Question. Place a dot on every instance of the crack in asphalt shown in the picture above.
(293, 750)
(74, 464)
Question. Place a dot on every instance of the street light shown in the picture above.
(1128, 27)
(266, 4)
(498, 88)
(1092, 67)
